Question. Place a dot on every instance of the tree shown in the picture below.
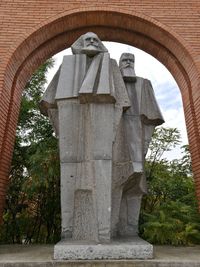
(169, 211)
(32, 205)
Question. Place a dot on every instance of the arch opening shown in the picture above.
(165, 87)
(111, 25)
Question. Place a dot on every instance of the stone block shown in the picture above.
(121, 249)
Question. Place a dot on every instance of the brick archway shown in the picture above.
(33, 47)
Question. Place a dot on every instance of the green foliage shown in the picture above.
(32, 126)
(172, 223)
(169, 211)
(32, 212)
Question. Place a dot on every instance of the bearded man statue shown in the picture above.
(134, 134)
(84, 102)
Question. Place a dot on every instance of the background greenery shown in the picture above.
(169, 211)
(32, 212)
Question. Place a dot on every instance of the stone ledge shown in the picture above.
(103, 263)
(135, 248)
(41, 256)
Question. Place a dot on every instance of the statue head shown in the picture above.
(89, 44)
(127, 67)
(127, 60)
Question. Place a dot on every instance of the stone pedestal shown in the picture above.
(132, 248)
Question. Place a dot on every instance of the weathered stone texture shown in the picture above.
(121, 249)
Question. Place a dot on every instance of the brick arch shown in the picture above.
(57, 33)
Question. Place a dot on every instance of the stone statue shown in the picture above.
(133, 137)
(84, 102)
(104, 120)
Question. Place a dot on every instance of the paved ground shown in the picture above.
(41, 256)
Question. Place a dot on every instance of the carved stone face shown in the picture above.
(91, 40)
(127, 61)
(127, 67)
(89, 44)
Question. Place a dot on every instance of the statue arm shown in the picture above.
(150, 111)
(48, 105)
(48, 100)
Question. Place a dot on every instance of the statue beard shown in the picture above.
(128, 74)
(91, 50)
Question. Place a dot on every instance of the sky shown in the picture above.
(166, 90)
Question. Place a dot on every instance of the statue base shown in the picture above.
(131, 248)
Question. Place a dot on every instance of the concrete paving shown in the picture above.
(41, 256)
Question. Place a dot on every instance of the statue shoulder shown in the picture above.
(144, 82)
(142, 79)
(113, 62)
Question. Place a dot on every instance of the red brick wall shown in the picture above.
(33, 30)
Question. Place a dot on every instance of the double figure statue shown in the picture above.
(104, 116)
